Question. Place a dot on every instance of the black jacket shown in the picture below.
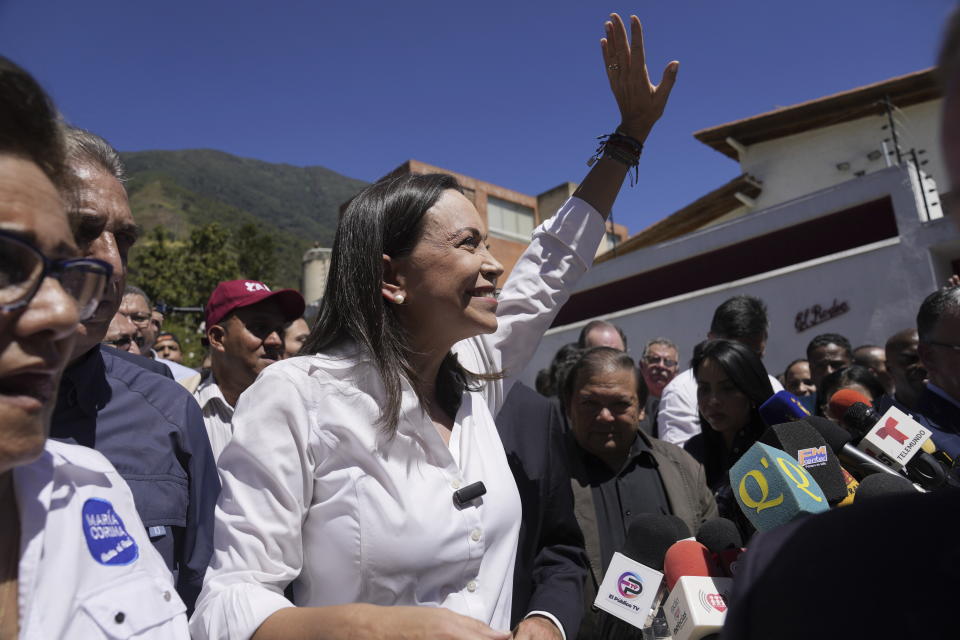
(551, 564)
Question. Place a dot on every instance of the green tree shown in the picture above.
(256, 253)
(207, 260)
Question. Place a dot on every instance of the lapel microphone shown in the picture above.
(468, 493)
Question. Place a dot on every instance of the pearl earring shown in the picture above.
(398, 299)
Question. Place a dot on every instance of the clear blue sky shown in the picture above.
(509, 92)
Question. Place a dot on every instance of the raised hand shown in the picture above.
(641, 103)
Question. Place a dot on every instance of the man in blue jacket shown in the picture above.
(148, 426)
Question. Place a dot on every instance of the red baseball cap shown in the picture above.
(234, 294)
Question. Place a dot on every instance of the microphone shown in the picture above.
(632, 585)
(782, 407)
(839, 440)
(844, 399)
(811, 452)
(880, 485)
(697, 604)
(897, 440)
(860, 421)
(773, 489)
(722, 538)
(688, 558)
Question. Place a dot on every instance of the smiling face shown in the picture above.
(35, 341)
(604, 412)
(720, 401)
(103, 229)
(449, 278)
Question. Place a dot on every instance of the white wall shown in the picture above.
(883, 283)
(796, 165)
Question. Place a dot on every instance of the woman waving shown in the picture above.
(370, 472)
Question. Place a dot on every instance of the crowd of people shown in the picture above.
(380, 472)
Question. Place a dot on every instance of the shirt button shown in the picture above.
(475, 535)
(119, 618)
(736, 449)
(455, 484)
(472, 586)
(627, 512)
(166, 596)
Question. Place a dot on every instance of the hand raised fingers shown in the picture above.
(638, 59)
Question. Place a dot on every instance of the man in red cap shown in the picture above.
(244, 322)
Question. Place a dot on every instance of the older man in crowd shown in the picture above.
(658, 366)
(145, 424)
(618, 472)
(938, 330)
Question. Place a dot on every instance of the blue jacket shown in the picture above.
(152, 430)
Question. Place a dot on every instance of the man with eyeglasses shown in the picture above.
(122, 335)
(58, 564)
(146, 424)
(938, 331)
(135, 307)
(658, 366)
(135, 312)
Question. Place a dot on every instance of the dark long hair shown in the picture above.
(385, 218)
(747, 373)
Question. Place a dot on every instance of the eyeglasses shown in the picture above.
(667, 362)
(23, 269)
(140, 319)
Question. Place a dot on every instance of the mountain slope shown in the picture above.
(180, 190)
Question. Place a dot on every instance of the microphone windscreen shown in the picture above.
(688, 558)
(835, 435)
(719, 534)
(880, 484)
(859, 418)
(648, 538)
(811, 452)
(772, 489)
(681, 528)
(846, 398)
(781, 407)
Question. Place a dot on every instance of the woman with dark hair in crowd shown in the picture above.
(371, 473)
(75, 560)
(731, 385)
(854, 377)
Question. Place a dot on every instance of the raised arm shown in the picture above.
(562, 248)
(641, 104)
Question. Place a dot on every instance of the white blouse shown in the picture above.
(314, 494)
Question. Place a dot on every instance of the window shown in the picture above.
(509, 219)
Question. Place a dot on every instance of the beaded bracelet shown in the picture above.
(621, 148)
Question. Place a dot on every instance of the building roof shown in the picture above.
(695, 215)
(913, 88)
